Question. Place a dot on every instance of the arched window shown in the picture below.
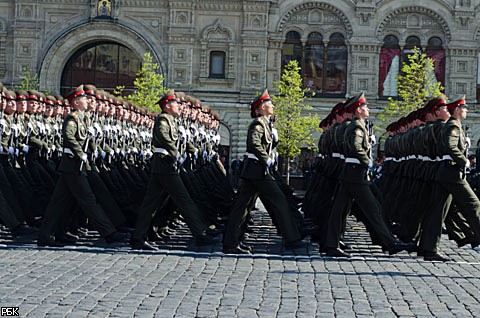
(389, 66)
(104, 64)
(324, 67)
(314, 62)
(217, 64)
(436, 52)
(292, 49)
(336, 67)
(411, 43)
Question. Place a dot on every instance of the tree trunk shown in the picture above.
(288, 171)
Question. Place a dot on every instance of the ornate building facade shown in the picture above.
(225, 51)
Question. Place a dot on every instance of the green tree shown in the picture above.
(416, 84)
(29, 81)
(148, 85)
(294, 124)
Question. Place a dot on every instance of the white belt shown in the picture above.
(251, 155)
(161, 150)
(68, 151)
(411, 157)
(352, 160)
(336, 155)
(388, 159)
(446, 157)
(319, 156)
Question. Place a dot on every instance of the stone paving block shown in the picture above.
(186, 282)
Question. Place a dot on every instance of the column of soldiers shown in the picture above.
(425, 171)
(82, 162)
(423, 183)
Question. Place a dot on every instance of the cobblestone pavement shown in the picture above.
(180, 280)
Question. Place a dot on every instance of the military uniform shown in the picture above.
(256, 178)
(72, 186)
(451, 176)
(166, 181)
(354, 186)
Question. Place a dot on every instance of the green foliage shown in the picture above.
(29, 81)
(118, 91)
(295, 127)
(148, 85)
(416, 84)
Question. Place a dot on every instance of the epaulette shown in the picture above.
(455, 123)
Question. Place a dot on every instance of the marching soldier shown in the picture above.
(165, 180)
(354, 186)
(257, 178)
(72, 186)
(451, 176)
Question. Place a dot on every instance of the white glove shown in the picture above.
(11, 151)
(91, 131)
(95, 154)
(103, 154)
(117, 151)
(468, 142)
(196, 154)
(15, 129)
(373, 140)
(275, 134)
(370, 163)
(270, 162)
(177, 156)
(467, 165)
(181, 161)
(17, 152)
(25, 149)
(123, 153)
(84, 157)
(53, 148)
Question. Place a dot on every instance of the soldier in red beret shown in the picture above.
(451, 176)
(256, 179)
(354, 185)
(165, 180)
(72, 186)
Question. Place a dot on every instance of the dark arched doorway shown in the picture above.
(104, 64)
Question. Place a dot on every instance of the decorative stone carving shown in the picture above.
(300, 14)
(218, 32)
(413, 17)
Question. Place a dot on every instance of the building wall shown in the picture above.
(43, 35)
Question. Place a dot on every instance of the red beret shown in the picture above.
(77, 92)
(168, 97)
(264, 97)
(356, 102)
(435, 103)
(339, 109)
(457, 103)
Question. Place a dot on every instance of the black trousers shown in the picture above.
(73, 188)
(362, 194)
(159, 188)
(274, 200)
